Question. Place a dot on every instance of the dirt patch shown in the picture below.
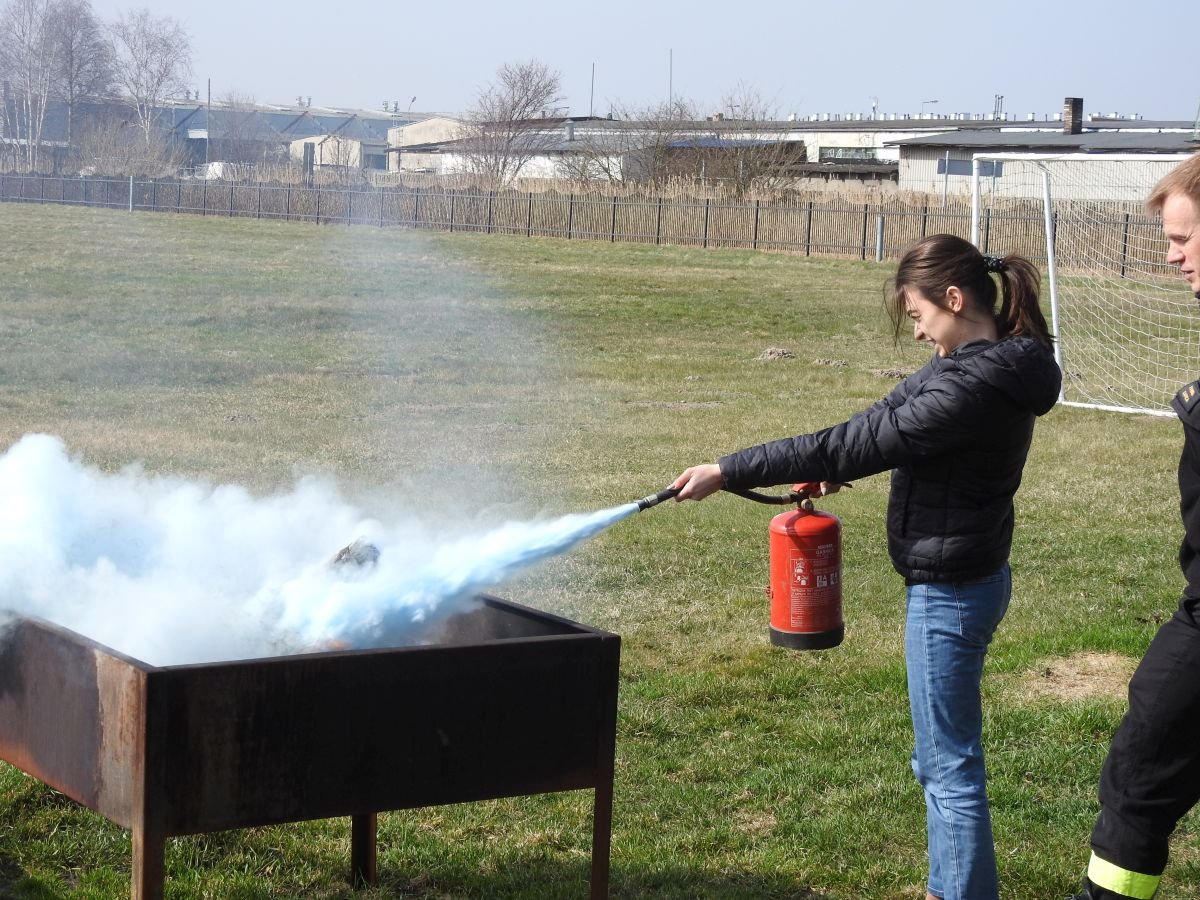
(754, 823)
(1082, 676)
(776, 353)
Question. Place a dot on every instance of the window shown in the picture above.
(848, 154)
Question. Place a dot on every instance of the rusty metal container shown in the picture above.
(501, 701)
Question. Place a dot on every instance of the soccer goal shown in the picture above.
(1127, 326)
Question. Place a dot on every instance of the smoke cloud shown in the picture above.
(171, 571)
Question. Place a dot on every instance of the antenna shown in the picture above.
(671, 79)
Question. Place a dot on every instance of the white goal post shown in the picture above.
(1127, 327)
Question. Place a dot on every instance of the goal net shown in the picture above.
(1127, 326)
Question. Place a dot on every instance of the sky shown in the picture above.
(801, 58)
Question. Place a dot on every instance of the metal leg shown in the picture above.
(364, 870)
(602, 837)
(149, 851)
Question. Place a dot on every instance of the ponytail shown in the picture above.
(1020, 313)
(940, 261)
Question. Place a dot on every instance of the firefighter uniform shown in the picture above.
(1151, 777)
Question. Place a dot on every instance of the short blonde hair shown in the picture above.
(1183, 179)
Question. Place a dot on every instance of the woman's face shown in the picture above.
(934, 324)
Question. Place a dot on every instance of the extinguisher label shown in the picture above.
(816, 598)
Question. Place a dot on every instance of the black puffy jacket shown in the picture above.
(955, 434)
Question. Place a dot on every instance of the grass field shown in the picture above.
(482, 378)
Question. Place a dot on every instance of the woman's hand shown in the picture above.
(698, 482)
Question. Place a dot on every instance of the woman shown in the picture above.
(955, 435)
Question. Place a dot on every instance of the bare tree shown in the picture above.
(239, 133)
(152, 57)
(635, 147)
(28, 56)
(111, 146)
(85, 61)
(751, 148)
(508, 125)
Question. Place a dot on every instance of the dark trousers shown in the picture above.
(1151, 777)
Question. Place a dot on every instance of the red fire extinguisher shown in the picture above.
(805, 584)
(806, 575)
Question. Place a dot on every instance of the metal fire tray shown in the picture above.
(506, 701)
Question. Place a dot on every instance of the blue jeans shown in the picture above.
(947, 632)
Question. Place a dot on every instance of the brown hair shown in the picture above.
(1183, 179)
(940, 261)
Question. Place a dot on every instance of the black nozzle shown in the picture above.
(655, 499)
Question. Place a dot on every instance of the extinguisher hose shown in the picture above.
(795, 495)
(776, 499)
(655, 499)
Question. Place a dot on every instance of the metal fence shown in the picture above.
(824, 225)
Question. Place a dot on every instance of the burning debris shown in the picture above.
(361, 553)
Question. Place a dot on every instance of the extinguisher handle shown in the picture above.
(816, 489)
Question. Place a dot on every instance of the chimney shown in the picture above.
(1073, 115)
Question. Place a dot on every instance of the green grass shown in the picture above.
(487, 378)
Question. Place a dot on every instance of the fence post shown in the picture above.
(754, 233)
(924, 219)
(704, 242)
(658, 223)
(808, 231)
(417, 208)
(866, 224)
(108, 192)
(612, 229)
(1124, 244)
(491, 194)
(570, 214)
(349, 205)
(318, 203)
(453, 194)
(987, 228)
(258, 203)
(381, 206)
(1053, 233)
(287, 205)
(42, 189)
(179, 196)
(231, 186)
(879, 238)
(154, 194)
(529, 221)
(204, 199)
(131, 193)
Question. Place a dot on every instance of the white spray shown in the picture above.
(170, 571)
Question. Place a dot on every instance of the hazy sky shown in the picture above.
(800, 57)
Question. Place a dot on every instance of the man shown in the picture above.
(1151, 777)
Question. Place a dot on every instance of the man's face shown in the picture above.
(1181, 226)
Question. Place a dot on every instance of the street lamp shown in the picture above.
(924, 103)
